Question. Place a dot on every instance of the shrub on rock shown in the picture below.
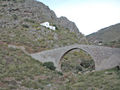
(49, 65)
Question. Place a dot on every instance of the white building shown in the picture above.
(52, 27)
(47, 25)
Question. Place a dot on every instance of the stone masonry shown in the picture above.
(104, 57)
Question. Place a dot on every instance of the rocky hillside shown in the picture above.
(20, 25)
(108, 36)
(19, 71)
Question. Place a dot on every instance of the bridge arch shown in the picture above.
(86, 50)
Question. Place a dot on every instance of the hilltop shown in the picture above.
(109, 36)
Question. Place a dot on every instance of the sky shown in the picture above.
(89, 15)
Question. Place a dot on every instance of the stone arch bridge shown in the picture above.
(104, 57)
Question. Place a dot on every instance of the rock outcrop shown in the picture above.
(64, 22)
(39, 12)
(49, 15)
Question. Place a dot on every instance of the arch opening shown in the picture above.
(76, 60)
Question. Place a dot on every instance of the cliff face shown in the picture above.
(37, 11)
(64, 22)
(45, 14)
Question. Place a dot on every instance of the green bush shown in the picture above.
(25, 26)
(78, 68)
(55, 26)
(14, 16)
(85, 64)
(29, 20)
(49, 65)
(60, 73)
